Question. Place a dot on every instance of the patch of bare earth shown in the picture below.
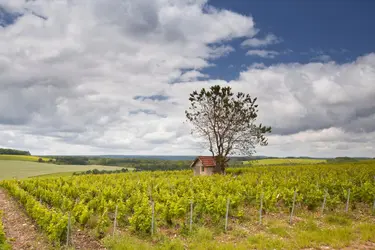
(82, 240)
(19, 229)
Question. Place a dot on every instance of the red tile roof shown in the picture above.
(207, 161)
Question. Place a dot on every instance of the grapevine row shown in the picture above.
(52, 221)
(3, 242)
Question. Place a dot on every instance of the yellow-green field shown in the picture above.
(283, 161)
(22, 158)
(23, 169)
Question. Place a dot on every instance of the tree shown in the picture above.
(226, 122)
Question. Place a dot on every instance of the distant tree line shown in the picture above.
(8, 151)
(157, 167)
(342, 159)
(96, 171)
(137, 164)
(72, 160)
(142, 164)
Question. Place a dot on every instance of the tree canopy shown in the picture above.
(9, 151)
(226, 122)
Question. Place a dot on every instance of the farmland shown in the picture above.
(22, 158)
(24, 169)
(174, 209)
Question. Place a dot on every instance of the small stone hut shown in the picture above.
(204, 165)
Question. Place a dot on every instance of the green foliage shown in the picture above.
(8, 151)
(96, 171)
(92, 199)
(335, 237)
(72, 160)
(3, 242)
(53, 222)
(203, 234)
(260, 241)
(338, 219)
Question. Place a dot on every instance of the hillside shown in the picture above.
(22, 158)
(23, 169)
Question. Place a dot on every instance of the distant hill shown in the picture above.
(22, 158)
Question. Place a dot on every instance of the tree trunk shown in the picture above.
(222, 167)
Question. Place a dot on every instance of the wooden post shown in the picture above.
(294, 202)
(68, 230)
(347, 201)
(226, 215)
(191, 216)
(152, 218)
(261, 208)
(373, 207)
(115, 221)
(149, 192)
(324, 201)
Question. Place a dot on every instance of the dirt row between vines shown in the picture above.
(22, 233)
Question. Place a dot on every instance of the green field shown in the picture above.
(284, 161)
(23, 169)
(22, 158)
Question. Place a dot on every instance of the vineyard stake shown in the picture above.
(373, 207)
(226, 216)
(115, 222)
(261, 209)
(347, 201)
(191, 216)
(324, 201)
(152, 218)
(68, 230)
(294, 202)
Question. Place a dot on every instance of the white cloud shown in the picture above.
(297, 97)
(72, 78)
(263, 53)
(192, 75)
(261, 42)
(68, 83)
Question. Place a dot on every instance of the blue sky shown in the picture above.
(114, 77)
(340, 29)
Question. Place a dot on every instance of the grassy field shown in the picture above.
(309, 231)
(284, 161)
(21, 158)
(23, 169)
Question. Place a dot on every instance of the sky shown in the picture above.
(82, 77)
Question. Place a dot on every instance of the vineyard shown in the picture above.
(3, 243)
(147, 203)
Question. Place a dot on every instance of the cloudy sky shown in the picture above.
(113, 77)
